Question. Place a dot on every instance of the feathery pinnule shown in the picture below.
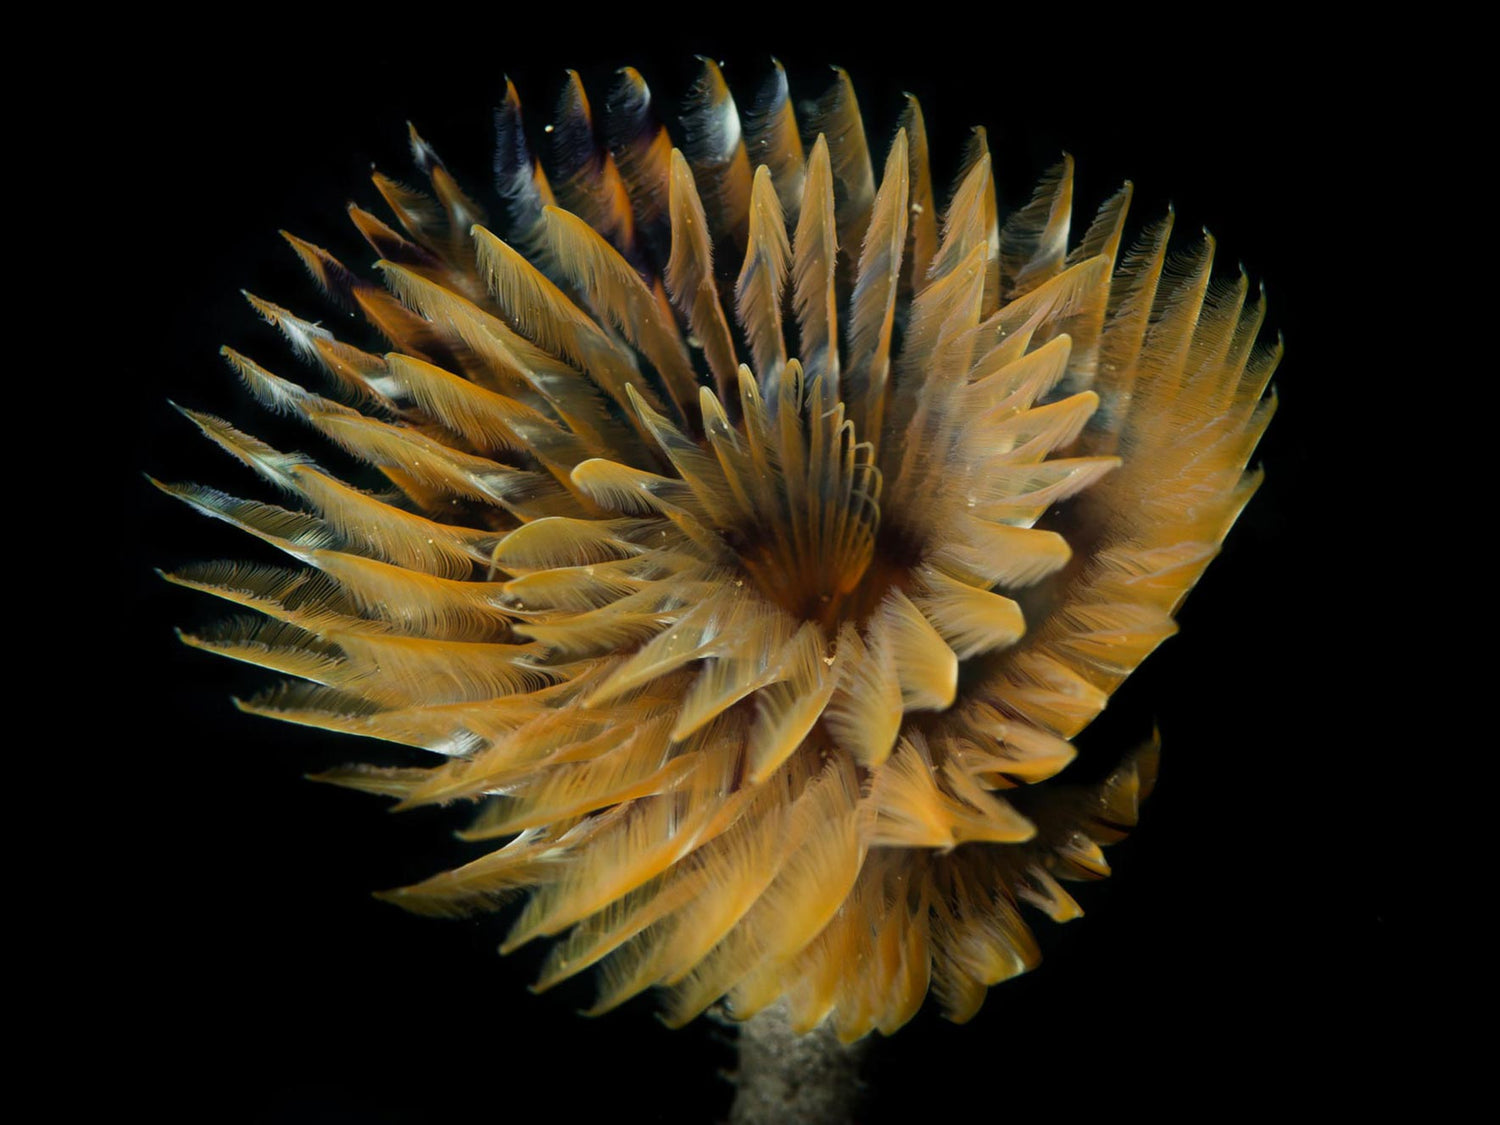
(814, 268)
(758, 290)
(690, 274)
(723, 561)
(772, 140)
(714, 146)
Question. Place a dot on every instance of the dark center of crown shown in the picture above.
(816, 581)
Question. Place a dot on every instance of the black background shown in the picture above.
(1241, 948)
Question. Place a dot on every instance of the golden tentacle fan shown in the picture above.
(760, 525)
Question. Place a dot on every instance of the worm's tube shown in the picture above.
(790, 1079)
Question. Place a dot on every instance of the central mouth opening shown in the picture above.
(813, 582)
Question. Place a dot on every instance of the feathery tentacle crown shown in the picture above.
(724, 562)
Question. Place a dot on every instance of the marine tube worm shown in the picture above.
(759, 524)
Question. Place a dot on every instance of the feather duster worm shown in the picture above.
(757, 535)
